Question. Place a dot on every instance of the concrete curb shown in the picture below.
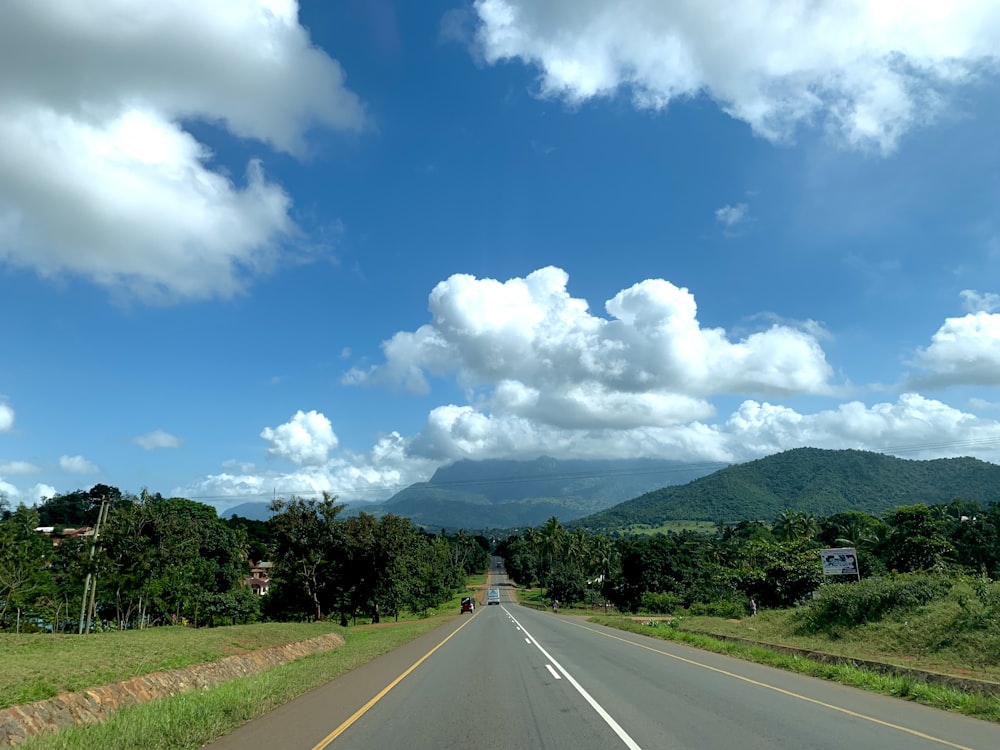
(19, 723)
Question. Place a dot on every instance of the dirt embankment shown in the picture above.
(18, 723)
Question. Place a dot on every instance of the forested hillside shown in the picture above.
(811, 480)
(506, 494)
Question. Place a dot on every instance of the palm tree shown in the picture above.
(795, 526)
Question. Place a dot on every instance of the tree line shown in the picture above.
(161, 561)
(777, 564)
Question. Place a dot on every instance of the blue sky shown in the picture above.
(255, 247)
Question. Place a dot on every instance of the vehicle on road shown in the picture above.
(493, 596)
(468, 604)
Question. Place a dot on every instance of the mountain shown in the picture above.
(507, 494)
(822, 482)
(253, 511)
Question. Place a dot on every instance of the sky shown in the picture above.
(256, 248)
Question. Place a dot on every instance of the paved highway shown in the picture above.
(510, 677)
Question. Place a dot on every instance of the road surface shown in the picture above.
(510, 677)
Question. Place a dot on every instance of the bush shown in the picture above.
(659, 602)
(727, 608)
(847, 605)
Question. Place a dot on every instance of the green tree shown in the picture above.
(310, 558)
(24, 555)
(917, 539)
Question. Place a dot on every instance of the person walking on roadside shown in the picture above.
(555, 606)
(753, 606)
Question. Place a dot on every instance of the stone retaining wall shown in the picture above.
(18, 723)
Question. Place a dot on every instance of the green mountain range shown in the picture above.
(501, 494)
(821, 482)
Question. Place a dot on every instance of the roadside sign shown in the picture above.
(839, 561)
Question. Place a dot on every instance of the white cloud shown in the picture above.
(306, 439)
(376, 475)
(77, 465)
(97, 175)
(157, 439)
(28, 497)
(541, 355)
(40, 492)
(6, 417)
(18, 467)
(964, 351)
(730, 216)
(866, 69)
(913, 426)
(975, 302)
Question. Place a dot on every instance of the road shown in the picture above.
(511, 677)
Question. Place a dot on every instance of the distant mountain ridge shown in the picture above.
(503, 494)
(813, 480)
(507, 493)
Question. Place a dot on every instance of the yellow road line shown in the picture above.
(382, 693)
(776, 689)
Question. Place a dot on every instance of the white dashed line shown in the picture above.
(615, 726)
(554, 672)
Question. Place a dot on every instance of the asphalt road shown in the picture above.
(511, 677)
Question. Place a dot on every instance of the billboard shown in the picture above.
(839, 561)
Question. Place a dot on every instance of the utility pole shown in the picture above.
(90, 583)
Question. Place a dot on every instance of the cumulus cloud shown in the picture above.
(18, 467)
(541, 355)
(98, 176)
(374, 475)
(913, 426)
(77, 465)
(6, 417)
(964, 351)
(157, 439)
(730, 216)
(307, 438)
(29, 496)
(980, 302)
(867, 70)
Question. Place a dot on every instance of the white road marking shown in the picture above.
(527, 640)
(615, 726)
(554, 672)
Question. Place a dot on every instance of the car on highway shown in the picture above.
(493, 596)
(468, 604)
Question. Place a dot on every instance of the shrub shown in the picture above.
(850, 604)
(727, 608)
(659, 602)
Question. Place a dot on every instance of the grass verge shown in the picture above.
(41, 666)
(908, 688)
(191, 720)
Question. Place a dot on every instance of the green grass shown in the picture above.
(43, 665)
(773, 628)
(927, 639)
(193, 719)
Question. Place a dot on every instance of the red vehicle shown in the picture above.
(468, 604)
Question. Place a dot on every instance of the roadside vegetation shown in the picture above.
(193, 719)
(172, 561)
(699, 632)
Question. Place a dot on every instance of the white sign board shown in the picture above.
(839, 561)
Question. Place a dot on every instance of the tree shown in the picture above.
(795, 526)
(917, 540)
(24, 554)
(310, 557)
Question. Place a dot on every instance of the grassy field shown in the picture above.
(191, 720)
(42, 666)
